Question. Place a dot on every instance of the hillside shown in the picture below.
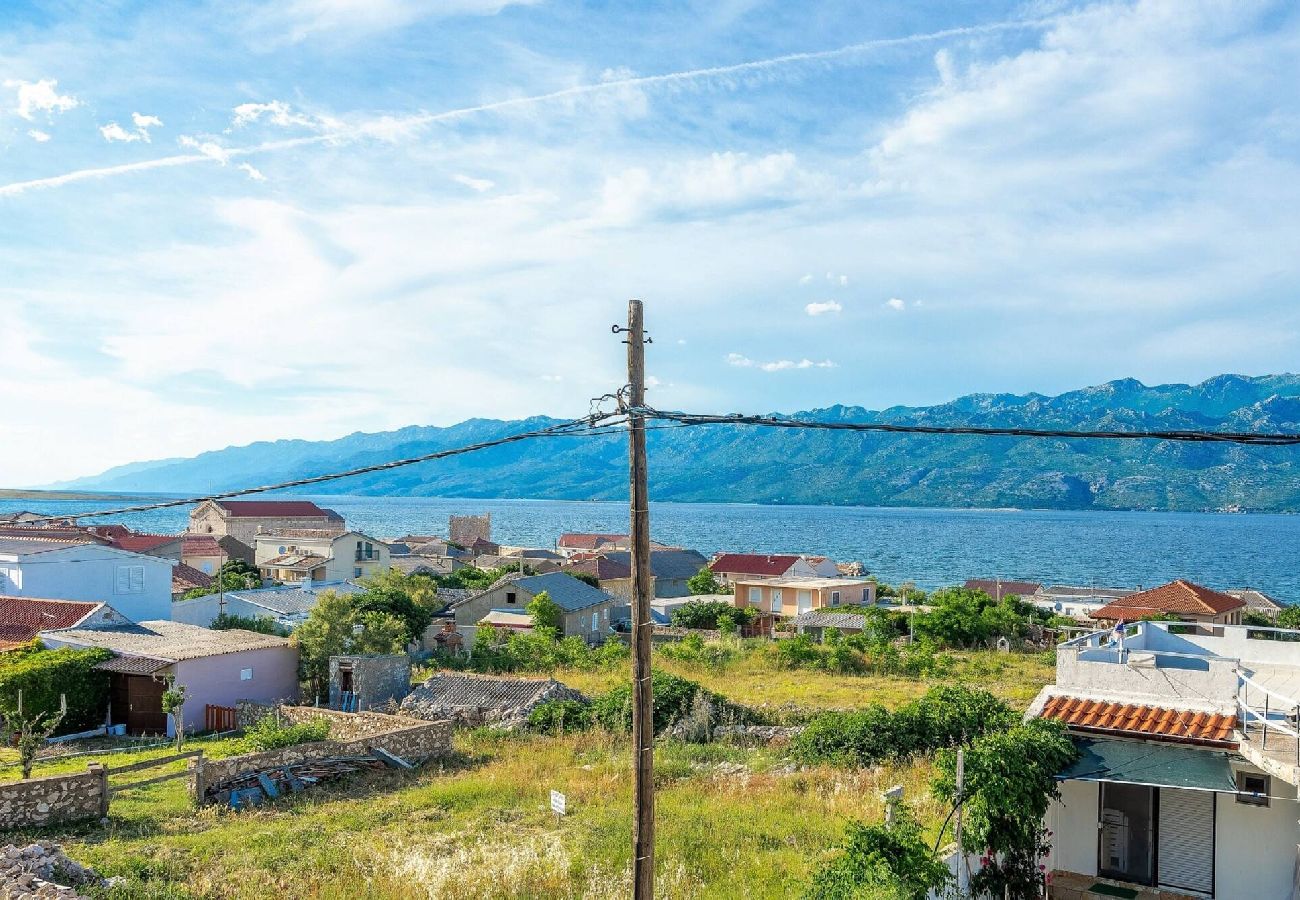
(747, 464)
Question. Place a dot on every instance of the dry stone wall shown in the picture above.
(54, 799)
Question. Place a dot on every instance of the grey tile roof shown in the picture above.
(174, 641)
(467, 690)
(666, 564)
(1257, 600)
(21, 546)
(568, 592)
(818, 619)
(134, 665)
(291, 601)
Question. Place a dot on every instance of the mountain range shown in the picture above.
(737, 463)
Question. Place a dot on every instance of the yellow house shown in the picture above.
(792, 596)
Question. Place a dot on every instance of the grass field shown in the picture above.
(732, 821)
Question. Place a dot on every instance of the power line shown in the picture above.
(1188, 436)
(573, 428)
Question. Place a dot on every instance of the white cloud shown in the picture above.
(896, 304)
(38, 136)
(744, 362)
(41, 96)
(211, 149)
(807, 279)
(251, 171)
(474, 184)
(820, 309)
(717, 182)
(277, 112)
(115, 132)
(551, 377)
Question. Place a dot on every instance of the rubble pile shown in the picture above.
(41, 870)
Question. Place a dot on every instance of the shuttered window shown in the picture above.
(130, 580)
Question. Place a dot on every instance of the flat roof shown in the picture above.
(807, 583)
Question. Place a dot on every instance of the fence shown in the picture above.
(145, 765)
(219, 718)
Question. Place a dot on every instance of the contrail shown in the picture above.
(414, 121)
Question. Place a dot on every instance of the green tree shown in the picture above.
(27, 729)
(584, 577)
(173, 704)
(408, 598)
(546, 614)
(699, 614)
(704, 582)
(1289, 617)
(260, 624)
(336, 627)
(878, 862)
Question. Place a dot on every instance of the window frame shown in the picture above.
(1248, 797)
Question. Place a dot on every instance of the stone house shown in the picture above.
(372, 681)
(244, 519)
(670, 568)
(293, 555)
(476, 700)
(586, 609)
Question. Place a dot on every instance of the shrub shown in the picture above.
(879, 862)
(260, 624)
(699, 614)
(559, 717)
(43, 675)
(267, 734)
(693, 649)
(674, 699)
(945, 716)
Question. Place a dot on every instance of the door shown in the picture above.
(1125, 849)
(804, 599)
(144, 713)
(1186, 840)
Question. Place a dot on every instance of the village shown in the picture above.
(272, 662)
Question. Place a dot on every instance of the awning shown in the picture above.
(1162, 765)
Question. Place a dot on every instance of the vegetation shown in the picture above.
(268, 734)
(539, 651)
(232, 575)
(1289, 617)
(337, 627)
(860, 653)
(52, 679)
(546, 613)
(471, 578)
(732, 620)
(260, 624)
(878, 861)
(945, 716)
(966, 618)
(560, 717)
(28, 730)
(675, 699)
(1010, 783)
(173, 704)
(409, 598)
(703, 582)
(701, 614)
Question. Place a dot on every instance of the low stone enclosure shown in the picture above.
(352, 735)
(55, 799)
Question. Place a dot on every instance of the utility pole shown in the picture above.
(963, 869)
(643, 730)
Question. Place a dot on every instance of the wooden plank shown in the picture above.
(170, 776)
(391, 760)
(154, 763)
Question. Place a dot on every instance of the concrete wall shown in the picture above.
(1204, 682)
(202, 610)
(54, 799)
(1255, 847)
(1073, 823)
(581, 624)
(817, 598)
(217, 680)
(91, 573)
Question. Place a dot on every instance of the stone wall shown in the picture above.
(352, 734)
(377, 681)
(54, 799)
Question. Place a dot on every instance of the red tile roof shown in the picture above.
(201, 545)
(997, 589)
(22, 618)
(1177, 597)
(753, 563)
(584, 541)
(1156, 722)
(138, 542)
(187, 578)
(240, 509)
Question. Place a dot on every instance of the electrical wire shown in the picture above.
(1190, 436)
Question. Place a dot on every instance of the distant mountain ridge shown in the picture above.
(748, 464)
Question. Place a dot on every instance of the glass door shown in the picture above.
(1125, 828)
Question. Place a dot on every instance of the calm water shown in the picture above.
(932, 547)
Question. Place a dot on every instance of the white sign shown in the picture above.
(557, 803)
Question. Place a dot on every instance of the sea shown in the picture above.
(929, 547)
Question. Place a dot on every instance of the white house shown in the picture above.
(289, 605)
(1187, 780)
(311, 554)
(136, 585)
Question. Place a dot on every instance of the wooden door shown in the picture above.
(144, 711)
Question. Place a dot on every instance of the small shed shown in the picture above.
(359, 683)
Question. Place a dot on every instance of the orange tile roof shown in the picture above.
(1178, 597)
(1157, 722)
(22, 618)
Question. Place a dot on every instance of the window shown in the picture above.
(835, 598)
(1252, 789)
(356, 572)
(370, 550)
(595, 621)
(510, 597)
(776, 600)
(755, 595)
(130, 580)
(245, 674)
(11, 578)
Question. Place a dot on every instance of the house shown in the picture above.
(670, 569)
(1189, 766)
(586, 609)
(138, 586)
(167, 546)
(368, 681)
(187, 578)
(823, 566)
(997, 588)
(795, 596)
(315, 554)
(1190, 602)
(497, 561)
(476, 700)
(23, 618)
(1258, 602)
(63, 531)
(208, 553)
(217, 668)
(245, 519)
(572, 542)
(728, 567)
(288, 605)
(1077, 602)
(614, 575)
(425, 565)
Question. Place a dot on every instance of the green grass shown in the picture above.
(731, 821)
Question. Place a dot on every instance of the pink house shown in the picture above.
(217, 668)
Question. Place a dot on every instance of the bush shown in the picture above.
(43, 675)
(699, 614)
(675, 699)
(559, 717)
(539, 651)
(267, 734)
(693, 650)
(260, 624)
(879, 862)
(945, 716)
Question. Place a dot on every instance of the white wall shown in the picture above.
(1073, 823)
(94, 573)
(1255, 847)
(1215, 684)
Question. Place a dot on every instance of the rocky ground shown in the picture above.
(40, 871)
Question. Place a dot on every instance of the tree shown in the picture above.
(336, 627)
(704, 582)
(410, 599)
(546, 613)
(699, 614)
(173, 704)
(1289, 617)
(31, 730)
(260, 624)
(1010, 781)
(881, 861)
(232, 575)
(1257, 619)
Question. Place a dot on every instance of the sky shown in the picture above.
(242, 221)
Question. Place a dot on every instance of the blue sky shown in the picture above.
(242, 221)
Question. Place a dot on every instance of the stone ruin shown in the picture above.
(474, 700)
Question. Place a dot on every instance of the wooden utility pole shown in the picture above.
(643, 729)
